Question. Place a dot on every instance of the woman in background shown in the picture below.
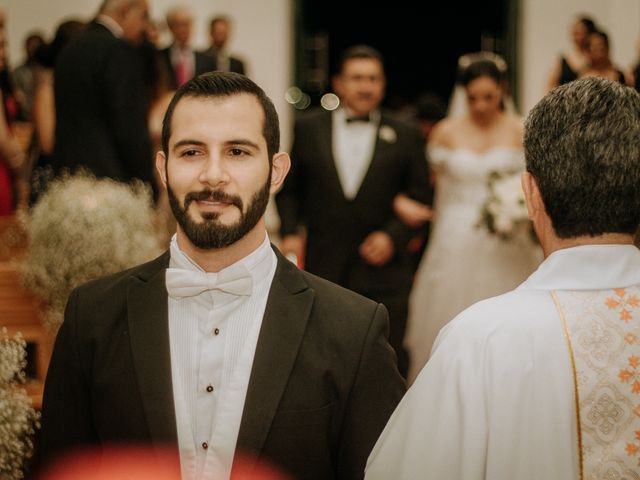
(463, 262)
(600, 63)
(571, 63)
(11, 154)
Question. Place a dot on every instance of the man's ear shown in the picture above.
(532, 197)
(280, 166)
(161, 166)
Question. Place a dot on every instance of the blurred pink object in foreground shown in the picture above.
(143, 463)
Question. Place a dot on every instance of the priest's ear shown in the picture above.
(532, 197)
(280, 165)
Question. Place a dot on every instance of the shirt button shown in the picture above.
(209, 388)
(205, 445)
(216, 331)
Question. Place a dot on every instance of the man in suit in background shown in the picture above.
(219, 31)
(347, 167)
(221, 346)
(181, 60)
(101, 110)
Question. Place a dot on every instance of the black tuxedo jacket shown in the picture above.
(203, 64)
(102, 107)
(312, 196)
(324, 380)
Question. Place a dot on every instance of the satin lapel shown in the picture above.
(380, 150)
(283, 327)
(149, 333)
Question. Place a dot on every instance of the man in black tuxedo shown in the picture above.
(181, 60)
(221, 345)
(100, 97)
(347, 167)
(219, 32)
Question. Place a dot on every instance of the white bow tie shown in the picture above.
(189, 283)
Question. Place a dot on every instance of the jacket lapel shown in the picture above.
(285, 319)
(380, 150)
(149, 336)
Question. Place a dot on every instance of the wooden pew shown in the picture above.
(19, 308)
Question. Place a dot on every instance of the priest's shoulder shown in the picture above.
(508, 313)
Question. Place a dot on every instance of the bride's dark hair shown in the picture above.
(481, 64)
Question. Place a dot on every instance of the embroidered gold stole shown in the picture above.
(602, 330)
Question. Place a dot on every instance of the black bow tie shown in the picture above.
(361, 118)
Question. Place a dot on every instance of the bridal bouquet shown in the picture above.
(18, 418)
(504, 212)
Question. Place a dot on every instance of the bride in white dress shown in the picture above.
(465, 263)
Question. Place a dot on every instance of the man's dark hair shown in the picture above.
(225, 84)
(359, 51)
(582, 145)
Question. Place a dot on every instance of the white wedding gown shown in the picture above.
(463, 262)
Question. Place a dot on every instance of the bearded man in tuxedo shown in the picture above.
(221, 347)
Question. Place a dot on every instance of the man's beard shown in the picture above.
(211, 233)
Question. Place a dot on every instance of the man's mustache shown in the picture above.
(214, 196)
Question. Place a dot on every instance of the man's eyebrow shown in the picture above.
(243, 141)
(187, 141)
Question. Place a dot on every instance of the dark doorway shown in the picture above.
(420, 49)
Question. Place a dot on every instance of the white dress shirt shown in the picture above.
(353, 147)
(497, 398)
(213, 339)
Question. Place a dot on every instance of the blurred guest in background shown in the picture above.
(23, 75)
(101, 105)
(572, 62)
(599, 60)
(182, 61)
(219, 32)
(12, 155)
(348, 165)
(44, 111)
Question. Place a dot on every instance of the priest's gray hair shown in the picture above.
(582, 144)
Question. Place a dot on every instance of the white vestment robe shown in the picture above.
(542, 382)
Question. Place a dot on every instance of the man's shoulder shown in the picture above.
(109, 285)
(328, 296)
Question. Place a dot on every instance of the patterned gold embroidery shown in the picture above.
(632, 375)
(605, 414)
(605, 357)
(624, 304)
(633, 449)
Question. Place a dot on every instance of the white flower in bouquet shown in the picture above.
(504, 212)
(18, 418)
(82, 228)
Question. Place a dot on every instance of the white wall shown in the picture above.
(262, 35)
(545, 32)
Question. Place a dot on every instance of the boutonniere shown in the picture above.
(387, 134)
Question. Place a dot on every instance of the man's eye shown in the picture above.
(189, 153)
(237, 151)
